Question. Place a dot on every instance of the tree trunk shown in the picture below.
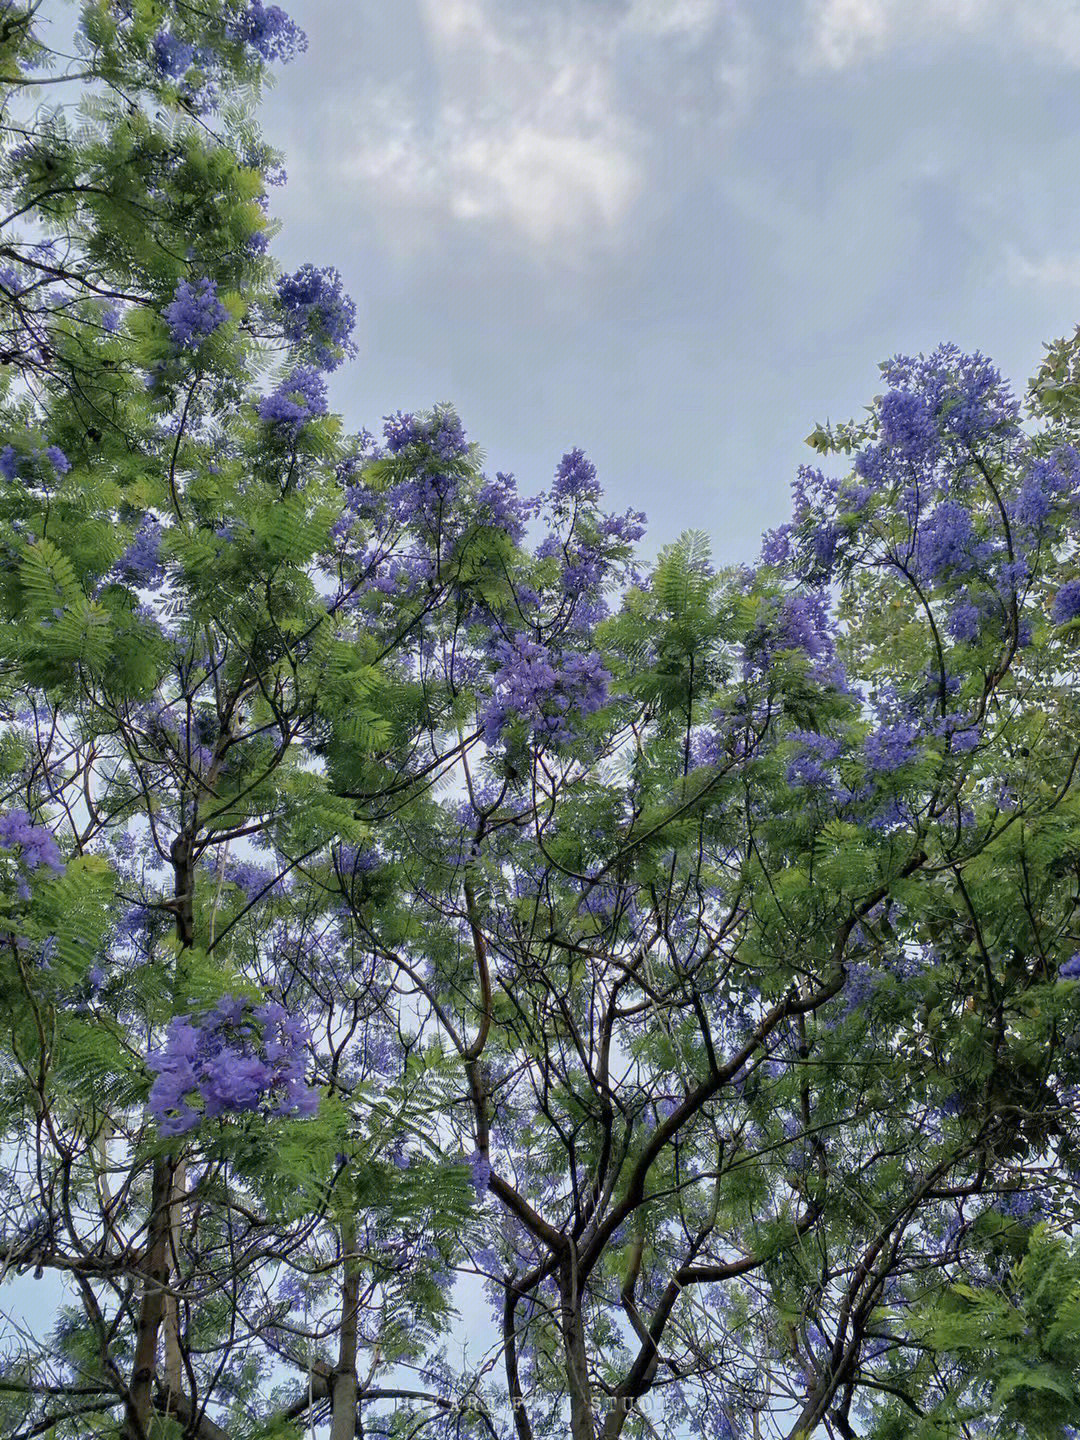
(168, 1176)
(174, 1364)
(344, 1386)
(582, 1426)
(155, 1269)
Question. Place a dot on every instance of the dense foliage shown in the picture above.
(408, 895)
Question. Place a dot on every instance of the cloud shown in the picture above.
(522, 131)
(840, 33)
(672, 17)
(541, 124)
(1049, 271)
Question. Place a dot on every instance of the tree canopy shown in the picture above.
(412, 891)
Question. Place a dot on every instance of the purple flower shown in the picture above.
(1019, 1204)
(575, 480)
(1070, 970)
(57, 459)
(1033, 504)
(195, 313)
(318, 314)
(37, 844)
(803, 624)
(545, 689)
(172, 56)
(441, 431)
(776, 545)
(254, 880)
(962, 622)
(907, 425)
(965, 393)
(9, 462)
(503, 508)
(236, 1057)
(859, 983)
(479, 1171)
(890, 747)
(295, 401)
(141, 561)
(946, 541)
(269, 31)
(1066, 604)
(807, 765)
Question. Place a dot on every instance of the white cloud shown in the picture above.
(523, 131)
(1049, 271)
(844, 30)
(672, 17)
(525, 126)
(840, 33)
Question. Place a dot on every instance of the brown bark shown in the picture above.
(343, 1419)
(160, 1232)
(155, 1270)
(582, 1424)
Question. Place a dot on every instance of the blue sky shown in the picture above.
(679, 232)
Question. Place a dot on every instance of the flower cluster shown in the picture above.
(441, 432)
(545, 690)
(503, 508)
(575, 481)
(1066, 604)
(296, 400)
(172, 56)
(141, 561)
(807, 766)
(318, 314)
(236, 1057)
(10, 461)
(37, 845)
(253, 879)
(890, 747)
(269, 31)
(194, 313)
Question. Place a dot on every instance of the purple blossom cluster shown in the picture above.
(809, 764)
(1066, 605)
(1070, 969)
(946, 542)
(141, 561)
(575, 481)
(318, 314)
(37, 844)
(441, 432)
(269, 31)
(546, 690)
(479, 1172)
(234, 1058)
(860, 982)
(503, 508)
(1021, 1205)
(965, 395)
(11, 461)
(253, 879)
(890, 747)
(195, 313)
(175, 731)
(172, 56)
(296, 400)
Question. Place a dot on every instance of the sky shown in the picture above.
(679, 233)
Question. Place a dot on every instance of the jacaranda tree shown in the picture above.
(407, 895)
